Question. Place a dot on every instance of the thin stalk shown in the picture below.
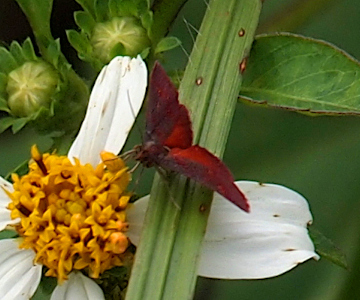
(166, 259)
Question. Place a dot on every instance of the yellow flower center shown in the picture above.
(72, 215)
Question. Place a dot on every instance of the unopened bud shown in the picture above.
(31, 87)
(120, 36)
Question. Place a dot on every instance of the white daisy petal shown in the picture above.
(114, 102)
(5, 218)
(267, 242)
(77, 287)
(19, 277)
(135, 216)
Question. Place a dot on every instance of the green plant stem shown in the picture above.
(38, 13)
(166, 259)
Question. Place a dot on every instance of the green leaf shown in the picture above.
(28, 49)
(21, 169)
(84, 21)
(326, 248)
(101, 10)
(17, 52)
(54, 53)
(78, 41)
(113, 8)
(302, 74)
(145, 53)
(8, 234)
(127, 8)
(3, 84)
(3, 105)
(45, 288)
(7, 61)
(87, 5)
(5, 123)
(118, 50)
(167, 43)
(18, 124)
(147, 20)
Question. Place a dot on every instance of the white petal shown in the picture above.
(19, 277)
(5, 218)
(78, 287)
(114, 102)
(135, 216)
(267, 242)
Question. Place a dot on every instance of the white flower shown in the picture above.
(270, 240)
(78, 287)
(116, 99)
(266, 242)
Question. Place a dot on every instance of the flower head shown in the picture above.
(72, 215)
(69, 211)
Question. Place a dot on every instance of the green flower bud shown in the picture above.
(117, 28)
(121, 35)
(30, 87)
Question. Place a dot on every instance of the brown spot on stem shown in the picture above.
(199, 81)
(242, 65)
(202, 208)
(241, 32)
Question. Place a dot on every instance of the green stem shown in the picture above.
(38, 13)
(166, 259)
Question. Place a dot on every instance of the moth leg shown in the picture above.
(135, 168)
(136, 183)
(128, 154)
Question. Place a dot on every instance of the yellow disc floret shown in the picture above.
(72, 215)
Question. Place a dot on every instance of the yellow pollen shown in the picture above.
(72, 215)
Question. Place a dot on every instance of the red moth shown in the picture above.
(168, 142)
